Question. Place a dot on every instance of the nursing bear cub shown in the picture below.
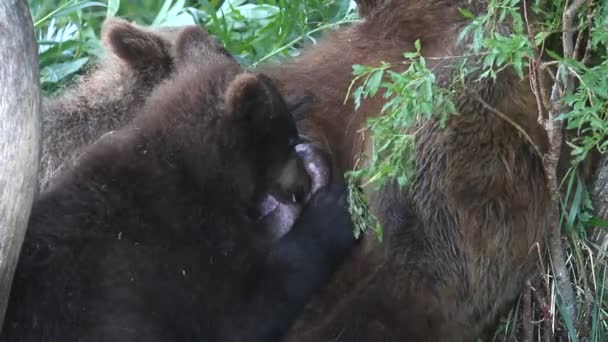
(159, 231)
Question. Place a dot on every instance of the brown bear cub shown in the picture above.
(104, 99)
(150, 236)
(136, 61)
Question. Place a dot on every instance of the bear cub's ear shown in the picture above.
(251, 96)
(134, 45)
(193, 45)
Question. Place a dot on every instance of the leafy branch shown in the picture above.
(411, 97)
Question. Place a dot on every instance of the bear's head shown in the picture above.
(227, 128)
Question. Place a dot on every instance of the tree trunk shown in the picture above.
(599, 196)
(19, 134)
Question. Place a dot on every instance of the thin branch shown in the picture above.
(543, 92)
(547, 64)
(533, 67)
(590, 16)
(577, 46)
(584, 31)
(554, 130)
(542, 302)
(301, 37)
(564, 85)
(568, 35)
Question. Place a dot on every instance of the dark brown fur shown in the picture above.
(149, 238)
(367, 6)
(456, 247)
(104, 99)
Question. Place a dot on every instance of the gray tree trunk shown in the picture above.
(599, 196)
(19, 134)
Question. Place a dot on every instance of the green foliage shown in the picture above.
(254, 31)
(410, 96)
(499, 50)
(62, 50)
(362, 220)
(268, 30)
(589, 109)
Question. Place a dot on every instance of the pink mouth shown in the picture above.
(268, 205)
(277, 218)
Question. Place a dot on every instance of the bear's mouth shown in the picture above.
(278, 217)
(268, 205)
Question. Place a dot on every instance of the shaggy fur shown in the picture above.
(456, 248)
(104, 99)
(148, 237)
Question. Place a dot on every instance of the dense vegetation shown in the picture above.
(255, 31)
(567, 44)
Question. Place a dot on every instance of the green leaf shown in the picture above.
(410, 55)
(57, 72)
(466, 13)
(358, 69)
(554, 55)
(228, 5)
(598, 222)
(67, 9)
(258, 12)
(518, 65)
(373, 83)
(567, 321)
(575, 205)
(113, 6)
(171, 14)
(181, 19)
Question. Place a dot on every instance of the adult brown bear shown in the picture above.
(148, 237)
(456, 249)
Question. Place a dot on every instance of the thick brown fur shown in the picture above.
(366, 7)
(149, 238)
(456, 249)
(105, 98)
